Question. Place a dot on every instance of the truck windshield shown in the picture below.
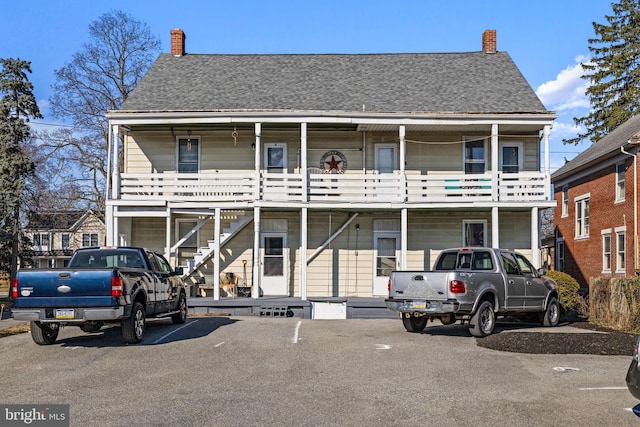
(103, 258)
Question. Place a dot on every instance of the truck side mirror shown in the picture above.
(542, 271)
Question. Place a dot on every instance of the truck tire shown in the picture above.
(133, 327)
(414, 323)
(181, 315)
(482, 322)
(43, 334)
(551, 316)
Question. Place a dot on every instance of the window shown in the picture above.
(66, 241)
(606, 250)
(582, 217)
(275, 157)
(525, 266)
(620, 168)
(565, 200)
(560, 255)
(474, 233)
(89, 240)
(474, 156)
(188, 155)
(620, 250)
(41, 241)
(511, 157)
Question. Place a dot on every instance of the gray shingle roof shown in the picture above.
(605, 147)
(472, 82)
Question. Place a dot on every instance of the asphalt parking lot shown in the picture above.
(221, 371)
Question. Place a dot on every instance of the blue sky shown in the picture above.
(547, 39)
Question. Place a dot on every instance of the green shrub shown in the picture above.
(568, 288)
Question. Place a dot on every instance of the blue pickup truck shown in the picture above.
(100, 286)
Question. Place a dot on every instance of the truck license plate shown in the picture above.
(64, 314)
(419, 304)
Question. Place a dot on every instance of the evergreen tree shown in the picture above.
(17, 106)
(613, 71)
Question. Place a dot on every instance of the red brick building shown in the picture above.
(596, 215)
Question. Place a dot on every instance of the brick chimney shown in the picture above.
(489, 41)
(177, 42)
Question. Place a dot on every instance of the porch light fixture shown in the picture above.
(253, 146)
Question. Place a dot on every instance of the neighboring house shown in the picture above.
(596, 217)
(316, 175)
(55, 235)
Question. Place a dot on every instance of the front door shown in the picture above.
(385, 252)
(274, 263)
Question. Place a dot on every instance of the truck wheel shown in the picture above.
(181, 315)
(44, 334)
(551, 315)
(483, 321)
(414, 323)
(133, 327)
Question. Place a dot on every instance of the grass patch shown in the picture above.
(14, 330)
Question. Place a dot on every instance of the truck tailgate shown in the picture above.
(430, 285)
(64, 288)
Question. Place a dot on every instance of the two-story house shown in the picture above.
(596, 217)
(57, 234)
(315, 175)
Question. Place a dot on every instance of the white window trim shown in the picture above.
(486, 147)
(475, 221)
(606, 233)
(621, 231)
(559, 242)
(194, 138)
(618, 197)
(520, 146)
(285, 155)
(565, 201)
(577, 200)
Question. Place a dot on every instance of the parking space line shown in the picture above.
(296, 332)
(174, 331)
(600, 388)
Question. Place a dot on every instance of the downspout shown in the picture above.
(635, 205)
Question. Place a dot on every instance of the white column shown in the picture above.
(495, 162)
(495, 227)
(547, 163)
(167, 238)
(255, 293)
(535, 238)
(403, 238)
(108, 217)
(303, 254)
(303, 161)
(217, 257)
(115, 177)
(403, 147)
(256, 184)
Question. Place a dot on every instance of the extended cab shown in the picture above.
(123, 285)
(474, 285)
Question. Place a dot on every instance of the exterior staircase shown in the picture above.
(243, 218)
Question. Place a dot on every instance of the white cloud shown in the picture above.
(568, 90)
(563, 130)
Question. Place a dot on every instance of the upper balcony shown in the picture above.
(313, 189)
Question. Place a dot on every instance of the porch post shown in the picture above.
(216, 252)
(545, 134)
(535, 238)
(109, 220)
(303, 162)
(403, 238)
(403, 156)
(112, 220)
(495, 228)
(495, 163)
(167, 237)
(303, 254)
(256, 184)
(256, 274)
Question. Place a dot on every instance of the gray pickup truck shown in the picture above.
(122, 285)
(474, 285)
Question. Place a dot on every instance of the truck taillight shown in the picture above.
(389, 286)
(457, 287)
(14, 288)
(116, 286)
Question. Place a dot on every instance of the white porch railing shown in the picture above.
(339, 188)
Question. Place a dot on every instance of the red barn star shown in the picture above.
(333, 164)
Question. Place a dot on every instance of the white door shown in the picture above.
(386, 158)
(274, 263)
(386, 248)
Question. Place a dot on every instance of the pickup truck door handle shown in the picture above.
(511, 282)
